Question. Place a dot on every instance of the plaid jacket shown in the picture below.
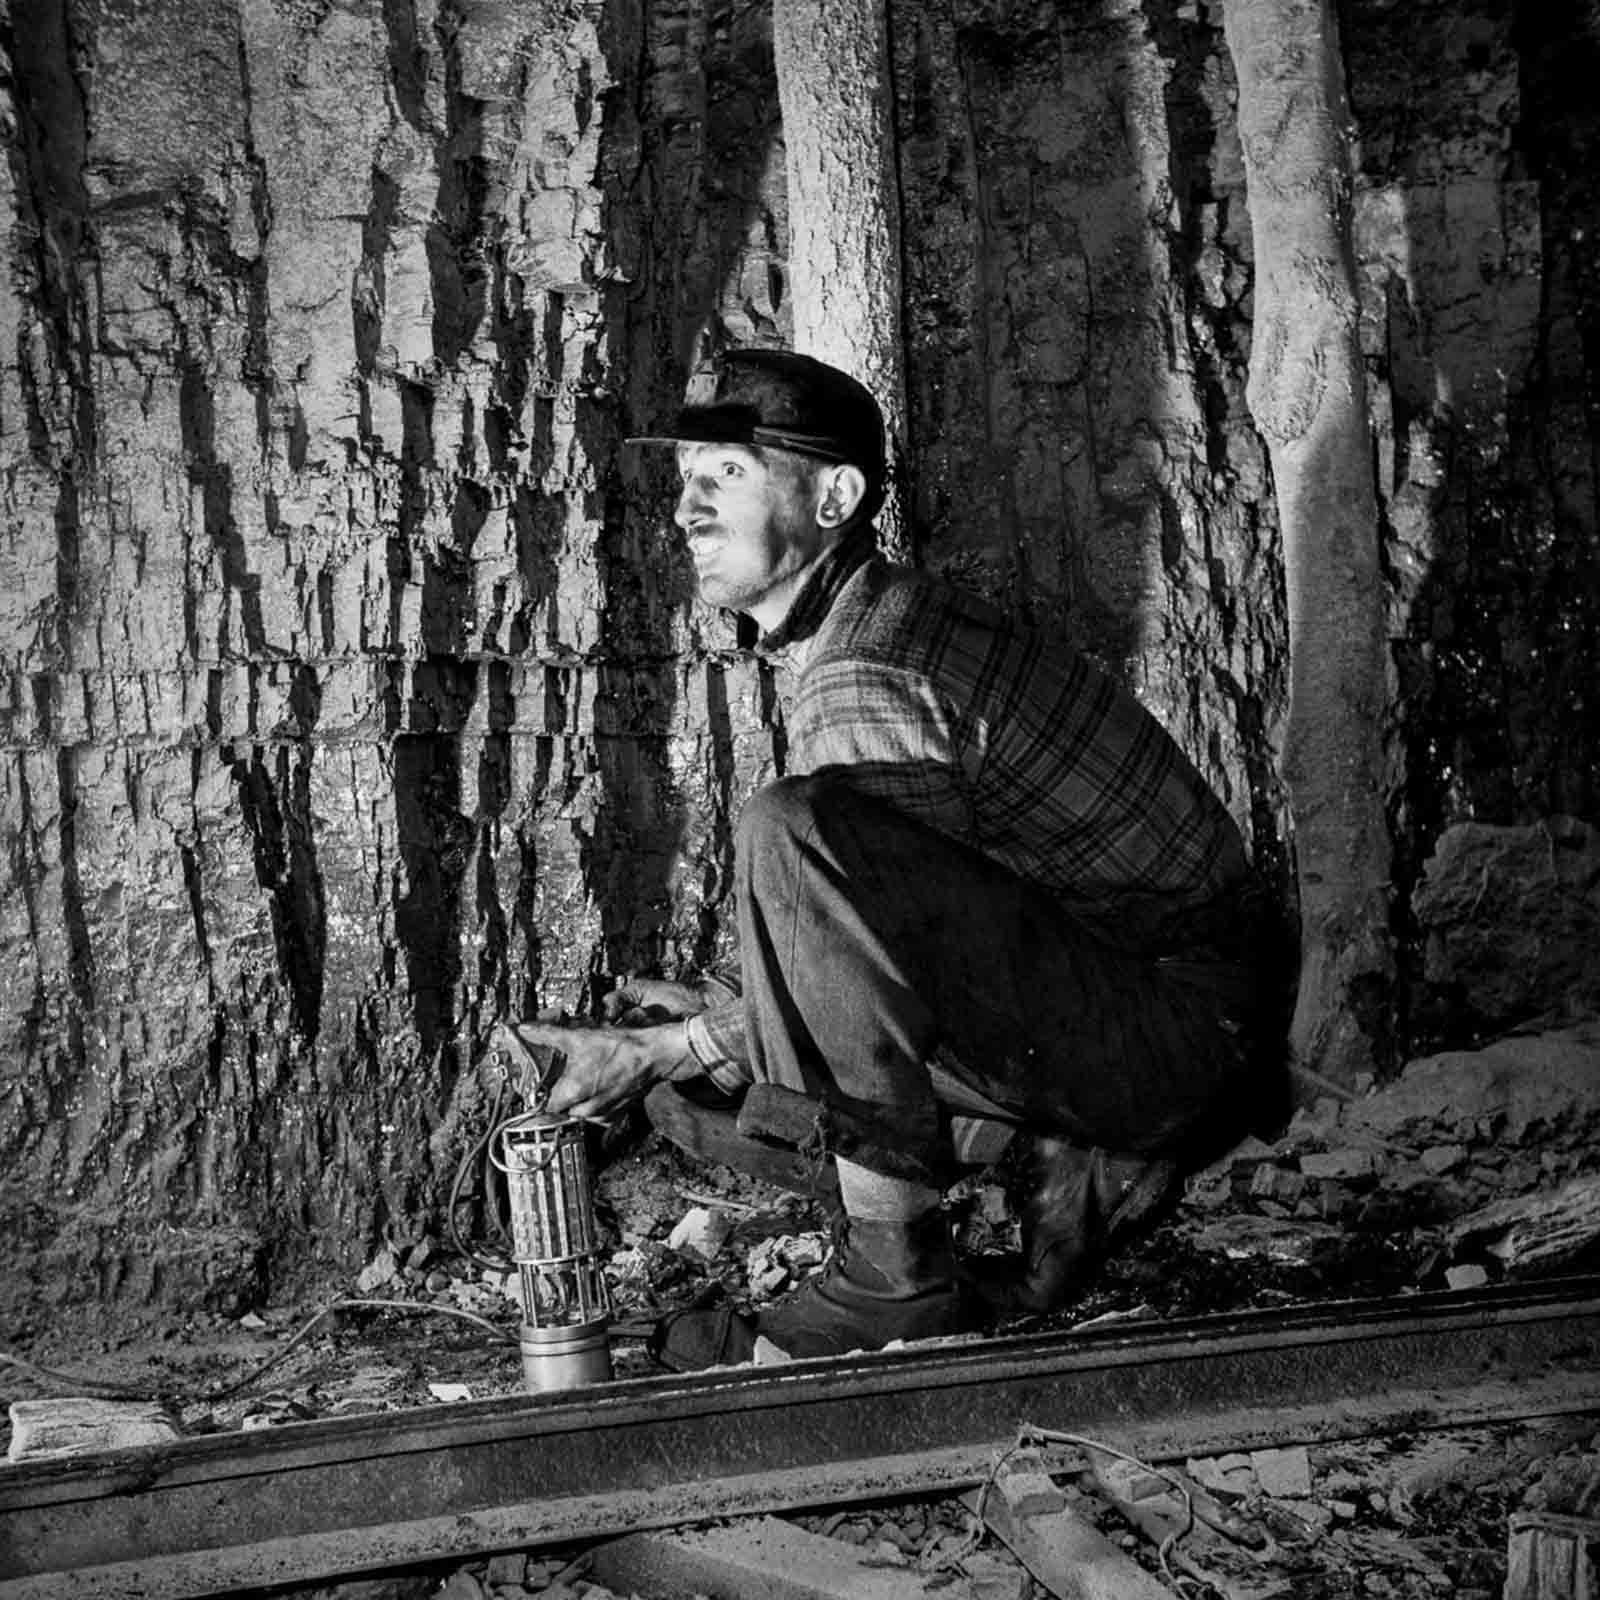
(1006, 738)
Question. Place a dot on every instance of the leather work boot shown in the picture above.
(1076, 1204)
(884, 1281)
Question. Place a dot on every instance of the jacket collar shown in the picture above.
(821, 588)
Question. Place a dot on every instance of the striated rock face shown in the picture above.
(351, 693)
(354, 691)
(1510, 923)
(1478, 221)
(1077, 279)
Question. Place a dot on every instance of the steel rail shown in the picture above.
(315, 1500)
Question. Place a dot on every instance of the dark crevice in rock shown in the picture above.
(408, 63)
(24, 858)
(436, 843)
(47, 159)
(416, 459)
(326, 621)
(526, 925)
(214, 479)
(537, 521)
(250, 272)
(276, 808)
(458, 246)
(369, 292)
(493, 782)
(194, 887)
(80, 950)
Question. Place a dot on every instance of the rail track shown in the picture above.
(317, 1500)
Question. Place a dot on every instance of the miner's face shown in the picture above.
(752, 525)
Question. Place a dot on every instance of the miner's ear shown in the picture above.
(843, 489)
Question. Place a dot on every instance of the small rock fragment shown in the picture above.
(511, 1567)
(1247, 1238)
(377, 1272)
(1228, 1476)
(804, 1250)
(765, 1269)
(504, 1284)
(700, 1232)
(78, 1425)
(1247, 1152)
(1469, 1275)
(993, 1579)
(1277, 1183)
(1441, 1158)
(1139, 1313)
(1284, 1474)
(1208, 1190)
(1338, 1164)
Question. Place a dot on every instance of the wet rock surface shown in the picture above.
(1509, 919)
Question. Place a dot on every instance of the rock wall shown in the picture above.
(1479, 227)
(352, 694)
(355, 691)
(1077, 287)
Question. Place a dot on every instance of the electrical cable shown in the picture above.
(96, 1386)
(1027, 1435)
(260, 1370)
(481, 1150)
(349, 1304)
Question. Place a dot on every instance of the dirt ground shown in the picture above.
(1428, 1185)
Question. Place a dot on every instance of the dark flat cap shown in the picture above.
(782, 400)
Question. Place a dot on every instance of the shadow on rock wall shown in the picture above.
(1077, 311)
(1479, 218)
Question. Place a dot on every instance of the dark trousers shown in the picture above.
(869, 940)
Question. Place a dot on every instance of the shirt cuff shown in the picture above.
(716, 1040)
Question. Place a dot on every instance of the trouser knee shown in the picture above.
(780, 826)
(780, 815)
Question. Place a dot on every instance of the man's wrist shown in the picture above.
(678, 1060)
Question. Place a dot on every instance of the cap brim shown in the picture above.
(805, 444)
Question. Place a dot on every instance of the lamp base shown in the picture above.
(565, 1358)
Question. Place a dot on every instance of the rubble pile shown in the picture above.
(1472, 1167)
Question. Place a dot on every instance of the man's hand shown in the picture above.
(655, 999)
(605, 1069)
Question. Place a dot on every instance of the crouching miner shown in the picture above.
(991, 900)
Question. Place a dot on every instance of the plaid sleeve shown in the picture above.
(716, 1040)
(888, 732)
